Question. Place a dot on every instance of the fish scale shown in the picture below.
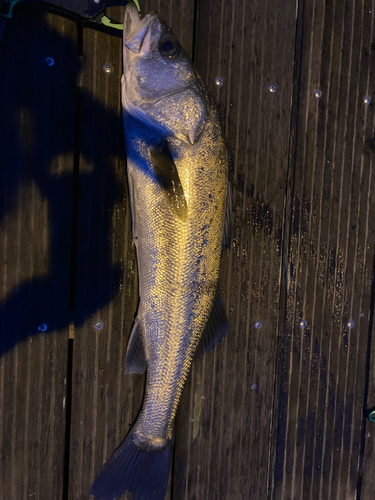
(177, 174)
(162, 389)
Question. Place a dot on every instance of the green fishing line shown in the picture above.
(107, 22)
(12, 3)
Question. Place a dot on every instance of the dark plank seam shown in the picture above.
(285, 245)
(366, 388)
(195, 28)
(73, 268)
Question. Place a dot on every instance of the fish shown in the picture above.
(177, 171)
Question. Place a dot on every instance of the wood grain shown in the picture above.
(322, 366)
(37, 109)
(104, 400)
(367, 460)
(272, 412)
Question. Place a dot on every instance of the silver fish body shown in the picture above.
(177, 176)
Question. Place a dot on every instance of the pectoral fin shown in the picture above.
(167, 176)
(216, 329)
(135, 353)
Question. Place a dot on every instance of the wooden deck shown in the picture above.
(277, 412)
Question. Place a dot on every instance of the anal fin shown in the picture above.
(216, 330)
(135, 352)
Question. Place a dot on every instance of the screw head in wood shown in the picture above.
(303, 323)
(258, 325)
(318, 94)
(219, 81)
(350, 324)
(98, 325)
(367, 100)
(108, 68)
(272, 89)
(42, 327)
(49, 61)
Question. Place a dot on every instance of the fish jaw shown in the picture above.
(136, 29)
(131, 19)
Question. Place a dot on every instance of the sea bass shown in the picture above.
(177, 166)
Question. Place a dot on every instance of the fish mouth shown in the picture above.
(136, 31)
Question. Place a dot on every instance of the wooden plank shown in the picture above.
(37, 103)
(367, 478)
(225, 419)
(103, 403)
(105, 400)
(366, 483)
(322, 366)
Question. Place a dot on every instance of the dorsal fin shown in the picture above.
(167, 176)
(216, 330)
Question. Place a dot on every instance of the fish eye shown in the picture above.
(169, 47)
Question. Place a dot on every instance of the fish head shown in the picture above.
(159, 85)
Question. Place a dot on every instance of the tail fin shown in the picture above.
(142, 471)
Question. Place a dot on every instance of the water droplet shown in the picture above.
(50, 61)
(258, 325)
(98, 325)
(367, 100)
(303, 324)
(108, 68)
(272, 88)
(350, 324)
(219, 81)
(318, 94)
(42, 327)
